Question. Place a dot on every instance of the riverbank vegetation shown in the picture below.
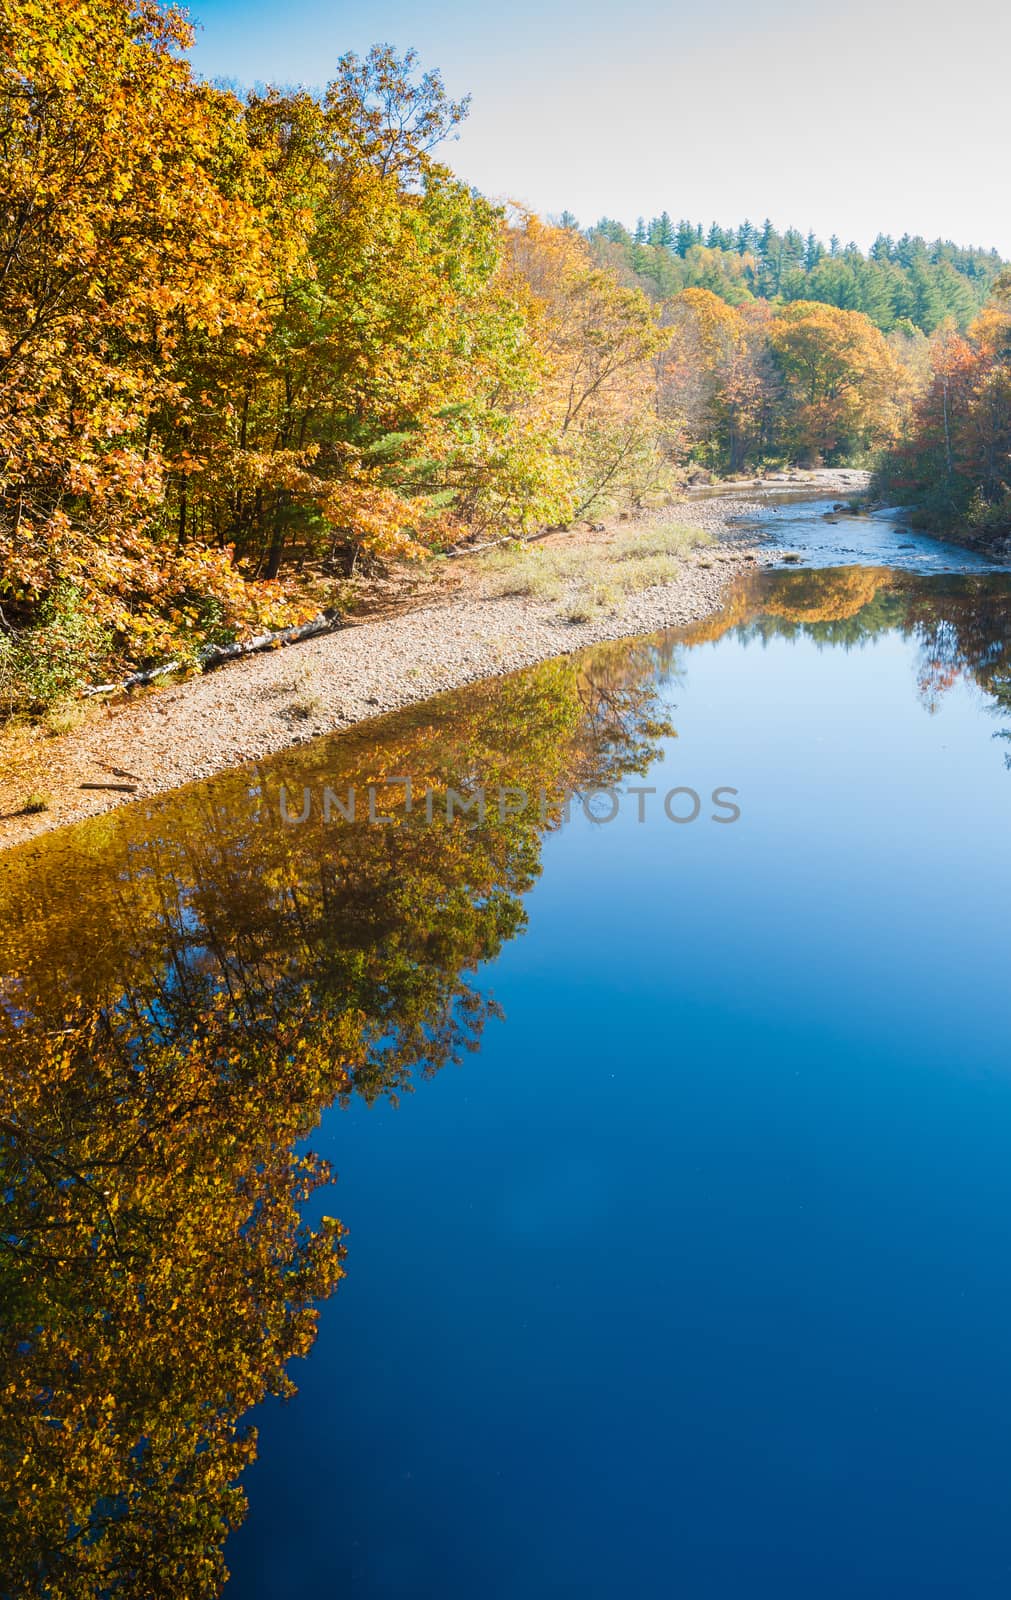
(933, 393)
(587, 579)
(248, 345)
(953, 460)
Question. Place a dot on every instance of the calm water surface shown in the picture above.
(694, 1277)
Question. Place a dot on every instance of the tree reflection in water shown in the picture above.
(186, 990)
(961, 623)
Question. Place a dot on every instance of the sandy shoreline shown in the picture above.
(267, 703)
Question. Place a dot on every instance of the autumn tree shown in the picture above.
(715, 383)
(129, 225)
(598, 339)
(843, 386)
(953, 460)
(376, 414)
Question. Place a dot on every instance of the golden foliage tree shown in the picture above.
(715, 386)
(598, 340)
(129, 225)
(844, 387)
(954, 458)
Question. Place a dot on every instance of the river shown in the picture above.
(666, 1089)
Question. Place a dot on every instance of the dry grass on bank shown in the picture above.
(583, 579)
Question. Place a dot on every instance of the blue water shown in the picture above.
(696, 1279)
(693, 1279)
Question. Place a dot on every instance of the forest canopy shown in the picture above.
(908, 282)
(249, 343)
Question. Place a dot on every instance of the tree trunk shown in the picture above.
(277, 538)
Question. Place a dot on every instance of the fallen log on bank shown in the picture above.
(459, 550)
(133, 681)
(217, 655)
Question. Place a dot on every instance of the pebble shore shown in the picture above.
(287, 697)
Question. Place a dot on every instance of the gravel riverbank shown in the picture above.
(266, 703)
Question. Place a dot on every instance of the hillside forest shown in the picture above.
(251, 344)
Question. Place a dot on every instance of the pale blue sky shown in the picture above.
(872, 115)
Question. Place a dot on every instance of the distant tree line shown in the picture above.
(938, 412)
(908, 281)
